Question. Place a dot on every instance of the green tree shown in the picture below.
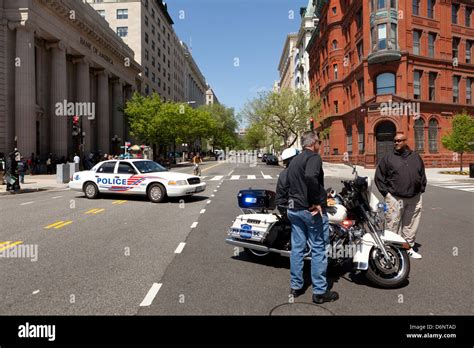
(225, 125)
(461, 137)
(255, 137)
(141, 113)
(285, 113)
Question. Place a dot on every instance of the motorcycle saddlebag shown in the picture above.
(252, 227)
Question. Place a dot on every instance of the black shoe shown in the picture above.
(296, 292)
(329, 296)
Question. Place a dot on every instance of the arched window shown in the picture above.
(349, 140)
(385, 84)
(360, 132)
(419, 135)
(433, 135)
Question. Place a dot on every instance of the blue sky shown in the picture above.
(253, 31)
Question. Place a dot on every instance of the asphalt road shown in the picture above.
(174, 255)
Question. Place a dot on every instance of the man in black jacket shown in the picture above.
(309, 221)
(401, 179)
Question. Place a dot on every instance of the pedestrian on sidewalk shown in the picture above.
(401, 179)
(309, 220)
(77, 159)
(21, 170)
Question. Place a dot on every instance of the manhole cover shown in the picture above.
(300, 308)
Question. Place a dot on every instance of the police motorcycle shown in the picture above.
(356, 231)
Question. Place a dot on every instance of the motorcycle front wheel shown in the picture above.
(379, 272)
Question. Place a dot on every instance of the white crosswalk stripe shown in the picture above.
(453, 185)
(239, 177)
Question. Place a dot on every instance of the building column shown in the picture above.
(59, 122)
(83, 95)
(117, 114)
(103, 112)
(25, 88)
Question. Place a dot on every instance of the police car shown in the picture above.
(135, 176)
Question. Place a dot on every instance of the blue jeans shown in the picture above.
(306, 227)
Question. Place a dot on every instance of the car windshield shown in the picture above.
(149, 167)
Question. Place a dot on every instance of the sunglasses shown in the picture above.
(399, 140)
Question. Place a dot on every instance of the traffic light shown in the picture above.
(75, 126)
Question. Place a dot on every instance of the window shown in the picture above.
(419, 135)
(469, 82)
(153, 77)
(433, 135)
(153, 13)
(359, 19)
(416, 42)
(335, 72)
(432, 86)
(122, 14)
(431, 5)
(153, 45)
(382, 36)
(380, 4)
(392, 43)
(385, 84)
(417, 84)
(393, 3)
(416, 7)
(454, 13)
(360, 135)
(147, 71)
(146, 21)
(431, 44)
(468, 51)
(159, 52)
(101, 12)
(456, 41)
(334, 10)
(468, 14)
(153, 29)
(147, 89)
(336, 106)
(146, 54)
(360, 86)
(349, 140)
(125, 168)
(456, 89)
(360, 51)
(158, 66)
(146, 37)
(334, 44)
(122, 31)
(107, 168)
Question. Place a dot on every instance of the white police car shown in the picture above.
(135, 176)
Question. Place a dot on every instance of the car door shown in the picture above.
(104, 176)
(127, 174)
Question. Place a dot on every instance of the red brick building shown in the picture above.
(383, 67)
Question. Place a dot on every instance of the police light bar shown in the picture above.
(256, 199)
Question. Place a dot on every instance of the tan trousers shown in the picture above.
(403, 216)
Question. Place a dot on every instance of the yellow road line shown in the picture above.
(10, 245)
(119, 202)
(91, 211)
(55, 224)
(98, 211)
(3, 243)
(64, 224)
(215, 165)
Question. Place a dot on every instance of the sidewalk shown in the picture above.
(341, 170)
(37, 183)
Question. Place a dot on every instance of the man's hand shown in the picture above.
(315, 210)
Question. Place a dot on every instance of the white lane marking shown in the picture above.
(209, 201)
(150, 296)
(180, 248)
(215, 190)
(194, 224)
(217, 178)
(231, 172)
(26, 203)
(57, 197)
(459, 187)
(235, 177)
(468, 189)
(35, 292)
(266, 176)
(203, 211)
(213, 195)
(251, 177)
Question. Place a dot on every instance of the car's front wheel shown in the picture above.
(90, 190)
(156, 193)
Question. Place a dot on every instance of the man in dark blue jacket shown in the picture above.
(309, 221)
(401, 179)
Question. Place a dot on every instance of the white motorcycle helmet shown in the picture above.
(288, 153)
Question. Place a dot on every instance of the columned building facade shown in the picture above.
(62, 69)
(384, 67)
(194, 81)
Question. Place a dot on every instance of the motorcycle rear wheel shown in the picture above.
(256, 255)
(379, 274)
